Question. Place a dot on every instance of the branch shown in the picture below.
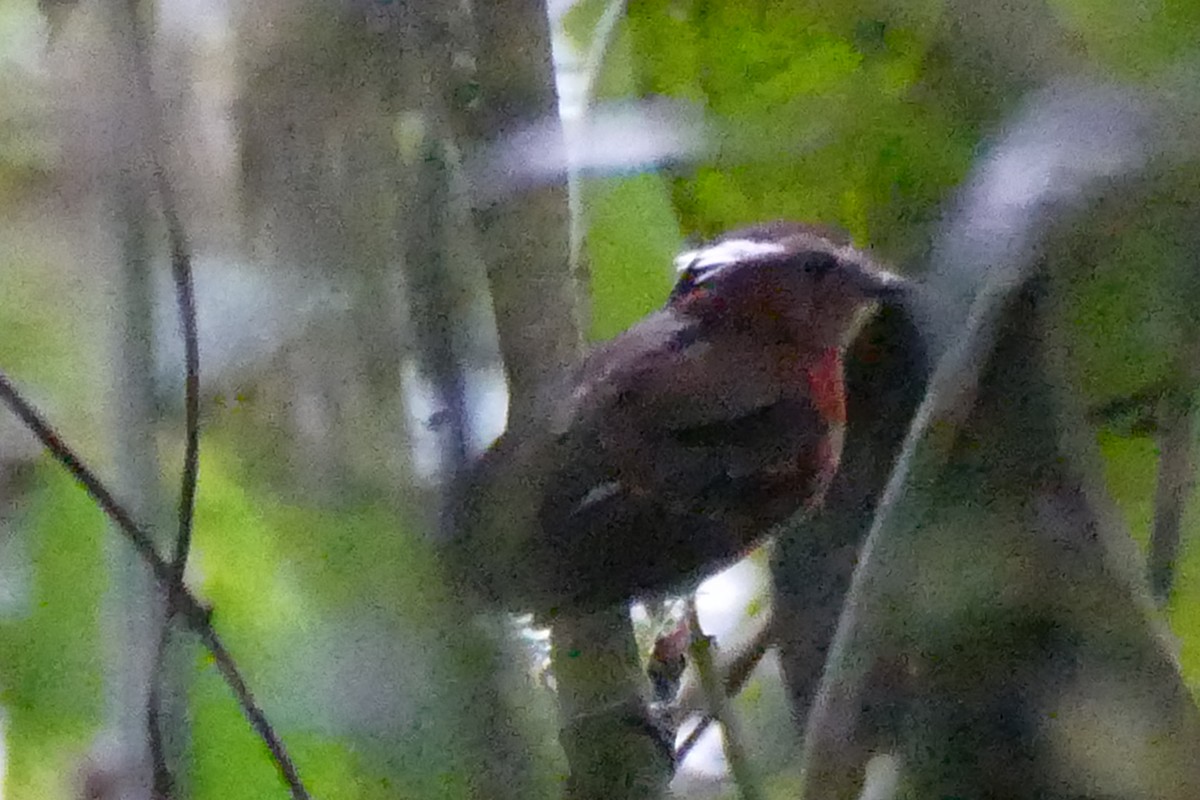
(181, 272)
(1088, 137)
(184, 603)
(1176, 426)
(536, 304)
(717, 697)
(1176, 429)
(526, 236)
(602, 38)
(612, 749)
(738, 671)
(164, 781)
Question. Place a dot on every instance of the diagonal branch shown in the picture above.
(195, 614)
(735, 676)
(717, 696)
(1089, 137)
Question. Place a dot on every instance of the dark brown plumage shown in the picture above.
(675, 447)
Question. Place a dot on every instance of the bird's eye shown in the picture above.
(820, 263)
(688, 281)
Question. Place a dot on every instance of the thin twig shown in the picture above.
(164, 781)
(602, 38)
(1176, 457)
(250, 708)
(181, 268)
(182, 600)
(736, 675)
(64, 455)
(718, 707)
(181, 272)
(1176, 412)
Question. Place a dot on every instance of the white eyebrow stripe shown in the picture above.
(722, 254)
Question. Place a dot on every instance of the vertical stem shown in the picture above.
(605, 731)
(134, 604)
(702, 649)
(1176, 442)
(436, 323)
(526, 244)
(526, 237)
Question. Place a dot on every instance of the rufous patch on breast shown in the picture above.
(827, 386)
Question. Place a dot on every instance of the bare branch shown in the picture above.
(184, 603)
(991, 246)
(1176, 426)
(1176, 429)
(612, 748)
(181, 272)
(603, 36)
(716, 694)
(736, 674)
(164, 781)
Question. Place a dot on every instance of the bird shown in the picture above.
(676, 447)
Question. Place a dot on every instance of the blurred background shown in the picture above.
(377, 196)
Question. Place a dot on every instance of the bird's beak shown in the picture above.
(876, 283)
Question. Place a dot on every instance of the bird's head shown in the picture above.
(784, 279)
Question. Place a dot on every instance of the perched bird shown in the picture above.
(674, 448)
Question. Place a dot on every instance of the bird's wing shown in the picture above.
(664, 408)
(612, 368)
(718, 493)
(703, 468)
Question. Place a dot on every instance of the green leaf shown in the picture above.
(631, 241)
(50, 657)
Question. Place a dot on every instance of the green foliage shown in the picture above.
(230, 762)
(823, 121)
(820, 119)
(1130, 469)
(851, 113)
(1132, 308)
(331, 556)
(1184, 607)
(631, 240)
(283, 575)
(50, 656)
(1136, 39)
(50, 336)
(1130, 464)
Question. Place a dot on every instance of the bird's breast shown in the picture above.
(710, 380)
(826, 385)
